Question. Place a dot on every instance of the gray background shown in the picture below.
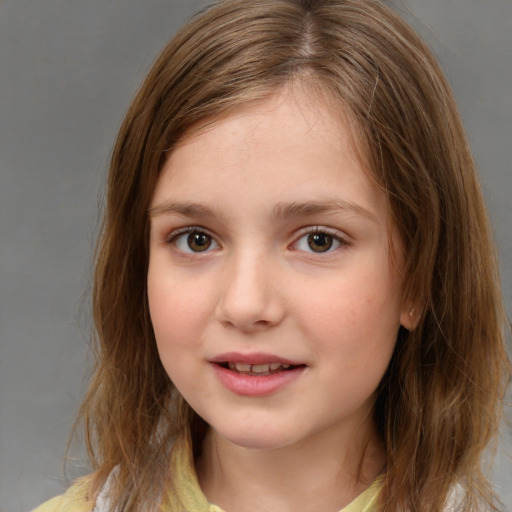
(68, 69)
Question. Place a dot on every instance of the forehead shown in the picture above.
(302, 101)
(291, 146)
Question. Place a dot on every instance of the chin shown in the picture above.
(256, 443)
(257, 437)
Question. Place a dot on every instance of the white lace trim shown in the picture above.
(454, 500)
(102, 501)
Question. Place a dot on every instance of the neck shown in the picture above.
(322, 473)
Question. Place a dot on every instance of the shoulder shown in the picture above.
(366, 501)
(75, 499)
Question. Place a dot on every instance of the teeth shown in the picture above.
(257, 368)
(260, 368)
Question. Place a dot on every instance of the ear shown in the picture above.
(410, 316)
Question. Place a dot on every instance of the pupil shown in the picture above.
(199, 242)
(320, 242)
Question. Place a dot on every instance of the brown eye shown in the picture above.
(192, 241)
(320, 242)
(199, 242)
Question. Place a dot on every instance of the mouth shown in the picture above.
(256, 374)
(257, 370)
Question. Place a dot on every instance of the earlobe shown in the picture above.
(410, 317)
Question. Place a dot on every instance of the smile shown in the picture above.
(256, 375)
(256, 369)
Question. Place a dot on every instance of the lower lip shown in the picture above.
(258, 385)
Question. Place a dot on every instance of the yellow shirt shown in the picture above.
(184, 493)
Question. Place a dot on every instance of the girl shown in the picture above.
(296, 294)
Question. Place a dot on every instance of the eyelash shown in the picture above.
(175, 235)
(339, 240)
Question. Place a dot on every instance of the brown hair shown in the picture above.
(439, 403)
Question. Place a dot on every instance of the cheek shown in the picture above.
(352, 318)
(177, 316)
(178, 312)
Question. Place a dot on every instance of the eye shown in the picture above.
(193, 241)
(319, 241)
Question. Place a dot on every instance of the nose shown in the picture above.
(250, 298)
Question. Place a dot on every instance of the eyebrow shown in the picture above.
(305, 209)
(182, 208)
(282, 211)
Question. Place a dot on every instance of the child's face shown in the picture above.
(269, 245)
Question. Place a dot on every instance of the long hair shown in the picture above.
(439, 404)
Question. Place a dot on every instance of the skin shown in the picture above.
(259, 287)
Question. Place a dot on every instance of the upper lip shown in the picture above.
(252, 358)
